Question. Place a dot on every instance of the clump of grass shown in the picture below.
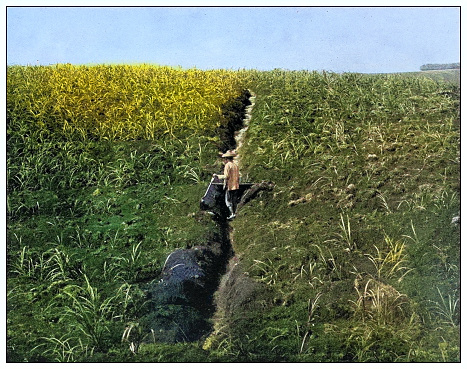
(311, 274)
(390, 263)
(63, 350)
(380, 302)
(89, 312)
(305, 338)
(329, 265)
(346, 234)
(268, 270)
(447, 308)
(53, 266)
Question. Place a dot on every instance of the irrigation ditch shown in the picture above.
(181, 304)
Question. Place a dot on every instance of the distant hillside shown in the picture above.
(440, 66)
(445, 75)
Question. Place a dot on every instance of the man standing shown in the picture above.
(231, 179)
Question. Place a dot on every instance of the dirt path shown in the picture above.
(240, 135)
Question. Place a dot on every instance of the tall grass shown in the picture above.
(117, 101)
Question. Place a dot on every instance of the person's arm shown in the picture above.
(226, 175)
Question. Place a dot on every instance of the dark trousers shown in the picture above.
(231, 200)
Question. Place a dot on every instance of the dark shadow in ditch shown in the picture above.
(180, 304)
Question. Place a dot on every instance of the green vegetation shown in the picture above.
(353, 257)
(356, 246)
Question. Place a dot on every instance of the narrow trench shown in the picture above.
(181, 304)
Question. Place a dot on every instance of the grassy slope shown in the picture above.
(116, 233)
(120, 230)
(367, 184)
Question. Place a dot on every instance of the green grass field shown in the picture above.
(356, 247)
(353, 257)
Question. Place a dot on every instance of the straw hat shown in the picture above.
(229, 154)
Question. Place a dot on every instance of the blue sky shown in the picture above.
(339, 39)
